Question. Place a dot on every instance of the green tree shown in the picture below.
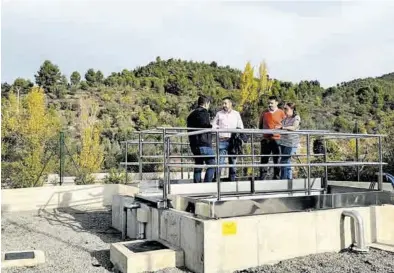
(22, 86)
(49, 77)
(90, 77)
(75, 78)
(31, 131)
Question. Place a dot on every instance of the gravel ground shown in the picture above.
(349, 262)
(78, 241)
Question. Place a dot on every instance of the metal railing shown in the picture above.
(308, 134)
(156, 137)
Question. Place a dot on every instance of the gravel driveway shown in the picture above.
(76, 241)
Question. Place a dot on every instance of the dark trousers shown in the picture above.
(269, 146)
(200, 161)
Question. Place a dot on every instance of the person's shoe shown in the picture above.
(276, 177)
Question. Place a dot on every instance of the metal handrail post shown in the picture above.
(126, 154)
(168, 169)
(164, 150)
(181, 157)
(217, 168)
(380, 180)
(308, 152)
(140, 154)
(252, 182)
(61, 167)
(325, 186)
(357, 154)
(165, 170)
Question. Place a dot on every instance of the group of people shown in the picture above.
(281, 146)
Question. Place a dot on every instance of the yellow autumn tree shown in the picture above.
(27, 133)
(264, 84)
(248, 87)
(252, 90)
(91, 154)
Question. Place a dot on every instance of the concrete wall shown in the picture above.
(212, 245)
(184, 231)
(384, 225)
(257, 240)
(90, 196)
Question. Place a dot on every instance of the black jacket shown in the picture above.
(235, 143)
(199, 118)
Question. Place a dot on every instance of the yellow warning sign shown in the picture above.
(229, 228)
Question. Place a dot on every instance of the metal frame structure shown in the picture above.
(308, 164)
(161, 132)
(221, 204)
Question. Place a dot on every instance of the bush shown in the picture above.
(84, 179)
(115, 177)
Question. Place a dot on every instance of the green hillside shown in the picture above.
(162, 93)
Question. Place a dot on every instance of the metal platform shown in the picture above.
(244, 203)
(234, 206)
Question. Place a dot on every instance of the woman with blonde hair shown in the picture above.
(289, 142)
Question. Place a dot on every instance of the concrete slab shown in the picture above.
(144, 255)
(383, 246)
(244, 186)
(37, 258)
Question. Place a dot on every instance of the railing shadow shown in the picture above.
(91, 221)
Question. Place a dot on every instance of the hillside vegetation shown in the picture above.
(98, 112)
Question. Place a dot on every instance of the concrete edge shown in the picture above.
(383, 246)
(39, 258)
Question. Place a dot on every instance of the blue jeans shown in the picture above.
(200, 161)
(285, 158)
(223, 150)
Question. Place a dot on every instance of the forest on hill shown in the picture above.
(96, 112)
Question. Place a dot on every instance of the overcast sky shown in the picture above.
(326, 41)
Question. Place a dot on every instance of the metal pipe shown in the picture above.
(269, 131)
(164, 150)
(137, 163)
(360, 245)
(181, 158)
(204, 156)
(168, 172)
(141, 231)
(308, 159)
(252, 184)
(151, 142)
(140, 155)
(195, 128)
(127, 152)
(165, 171)
(325, 168)
(125, 208)
(61, 167)
(357, 154)
(218, 168)
(380, 180)
(330, 164)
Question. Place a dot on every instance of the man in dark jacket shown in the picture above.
(201, 144)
